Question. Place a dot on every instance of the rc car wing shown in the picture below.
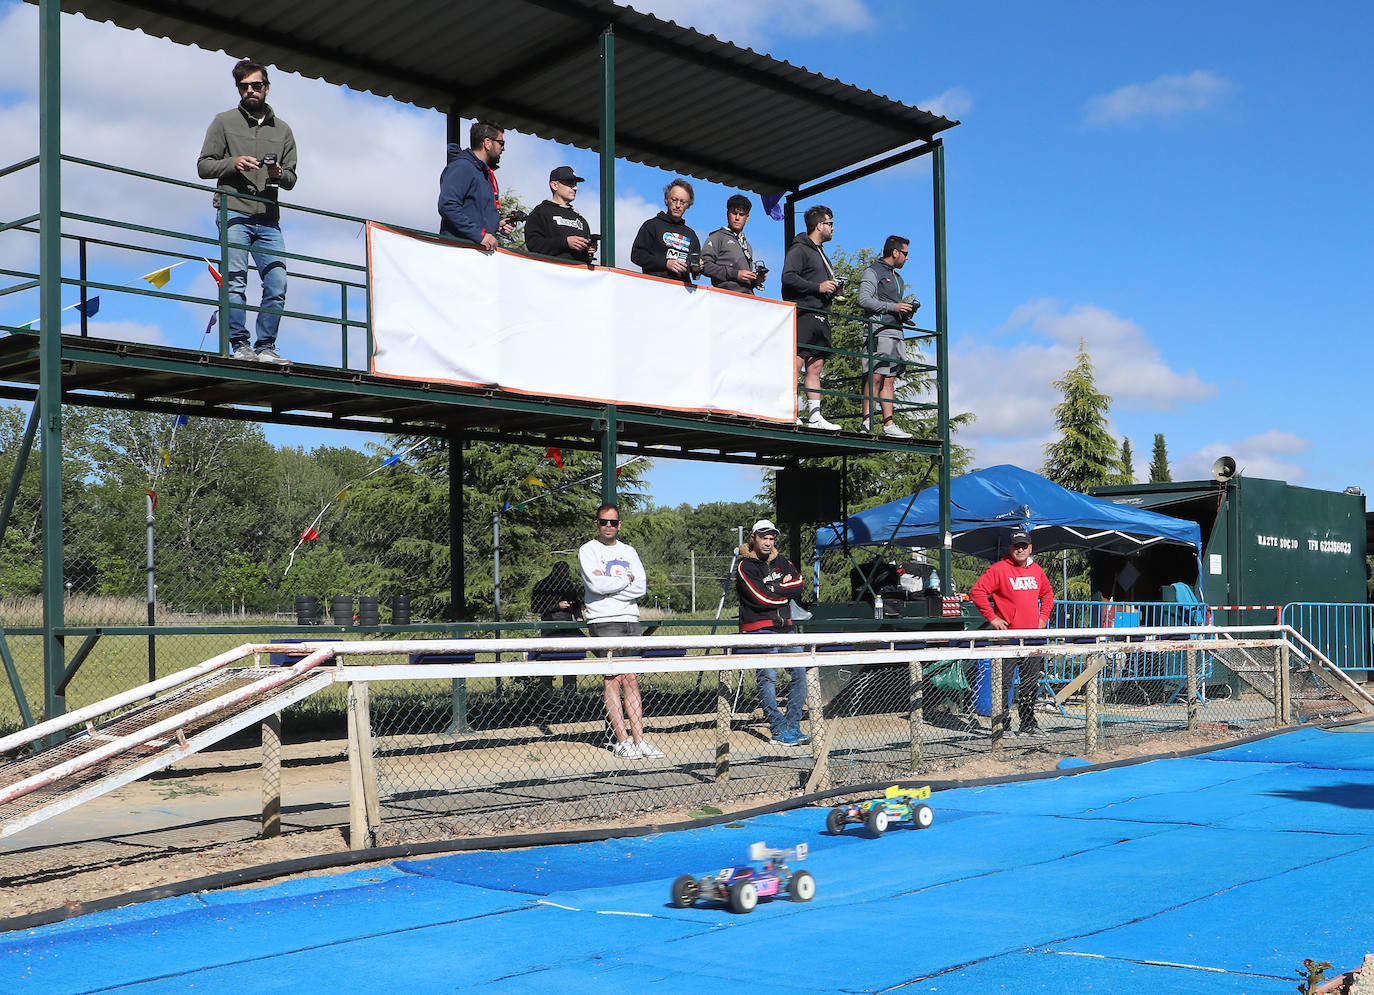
(921, 794)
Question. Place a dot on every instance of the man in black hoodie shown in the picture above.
(809, 281)
(766, 581)
(665, 246)
(553, 227)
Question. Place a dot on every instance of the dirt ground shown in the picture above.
(191, 822)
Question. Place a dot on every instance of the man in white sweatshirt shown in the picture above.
(615, 581)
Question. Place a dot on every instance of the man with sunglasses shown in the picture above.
(808, 279)
(615, 581)
(469, 196)
(882, 295)
(1014, 593)
(553, 227)
(249, 150)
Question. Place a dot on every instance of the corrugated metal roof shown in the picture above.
(533, 66)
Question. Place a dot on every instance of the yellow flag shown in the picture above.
(534, 481)
(166, 458)
(160, 278)
(341, 495)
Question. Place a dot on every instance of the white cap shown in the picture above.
(764, 525)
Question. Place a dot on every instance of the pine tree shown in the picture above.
(1159, 466)
(1084, 456)
(1127, 474)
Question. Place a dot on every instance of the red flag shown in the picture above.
(309, 533)
(215, 273)
(555, 455)
(153, 495)
(617, 473)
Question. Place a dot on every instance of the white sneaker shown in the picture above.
(626, 750)
(649, 751)
(864, 427)
(893, 431)
(817, 420)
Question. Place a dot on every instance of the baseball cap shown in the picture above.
(564, 174)
(764, 525)
(1018, 536)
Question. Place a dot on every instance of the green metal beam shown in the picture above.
(937, 174)
(608, 454)
(21, 460)
(607, 52)
(16, 685)
(83, 651)
(50, 341)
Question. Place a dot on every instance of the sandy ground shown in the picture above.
(200, 818)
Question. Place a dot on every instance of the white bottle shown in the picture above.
(877, 606)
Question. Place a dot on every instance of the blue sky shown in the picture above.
(1183, 186)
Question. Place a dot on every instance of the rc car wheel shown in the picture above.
(876, 821)
(685, 891)
(802, 887)
(836, 821)
(922, 816)
(743, 897)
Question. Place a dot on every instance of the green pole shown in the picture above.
(607, 148)
(21, 460)
(937, 173)
(49, 398)
(608, 448)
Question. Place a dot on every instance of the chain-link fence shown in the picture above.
(534, 747)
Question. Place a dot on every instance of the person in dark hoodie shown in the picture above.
(553, 227)
(766, 581)
(469, 196)
(665, 246)
(809, 281)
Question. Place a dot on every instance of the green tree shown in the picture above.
(1159, 465)
(1127, 474)
(1084, 456)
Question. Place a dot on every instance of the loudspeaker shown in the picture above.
(808, 495)
(1224, 468)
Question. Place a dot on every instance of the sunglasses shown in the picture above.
(1020, 545)
(255, 85)
(608, 521)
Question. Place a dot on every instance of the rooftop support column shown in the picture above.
(937, 175)
(49, 398)
(608, 151)
(608, 448)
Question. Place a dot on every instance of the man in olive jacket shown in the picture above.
(249, 150)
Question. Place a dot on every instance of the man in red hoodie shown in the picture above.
(1014, 593)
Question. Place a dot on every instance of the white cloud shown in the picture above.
(755, 23)
(954, 103)
(1008, 385)
(120, 331)
(1164, 97)
(1270, 455)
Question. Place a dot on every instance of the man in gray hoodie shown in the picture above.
(249, 150)
(727, 257)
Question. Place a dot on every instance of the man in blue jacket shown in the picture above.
(469, 196)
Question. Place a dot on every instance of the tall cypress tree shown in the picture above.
(1084, 455)
(1159, 466)
(1127, 475)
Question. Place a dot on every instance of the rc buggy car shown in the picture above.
(741, 887)
(897, 805)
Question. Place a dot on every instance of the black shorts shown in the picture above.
(813, 330)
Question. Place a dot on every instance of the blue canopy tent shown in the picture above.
(986, 504)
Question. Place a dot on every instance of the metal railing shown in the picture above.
(1341, 631)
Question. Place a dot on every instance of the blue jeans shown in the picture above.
(265, 239)
(768, 691)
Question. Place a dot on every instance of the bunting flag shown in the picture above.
(152, 495)
(555, 455)
(166, 457)
(91, 306)
(617, 472)
(181, 420)
(158, 278)
(214, 273)
(534, 481)
(506, 506)
(772, 203)
(310, 530)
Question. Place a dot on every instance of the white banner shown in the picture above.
(452, 313)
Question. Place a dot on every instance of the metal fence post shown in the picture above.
(820, 733)
(1191, 701)
(997, 708)
(271, 775)
(1282, 712)
(1091, 697)
(916, 704)
(723, 715)
(364, 813)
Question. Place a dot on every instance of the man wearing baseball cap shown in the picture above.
(766, 581)
(1014, 593)
(554, 228)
